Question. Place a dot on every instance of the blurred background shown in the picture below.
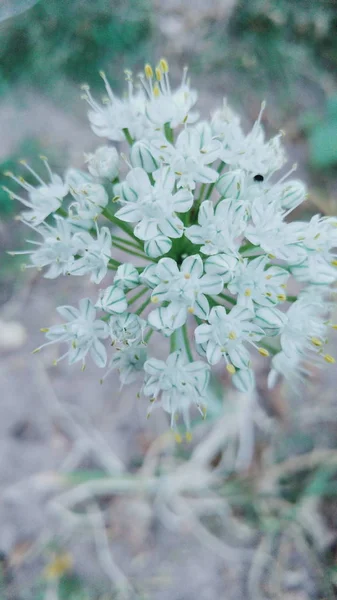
(59, 429)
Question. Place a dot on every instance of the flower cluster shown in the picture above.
(203, 217)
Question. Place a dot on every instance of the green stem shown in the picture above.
(123, 226)
(291, 298)
(125, 241)
(201, 193)
(143, 306)
(187, 343)
(148, 335)
(137, 296)
(211, 185)
(228, 298)
(129, 250)
(128, 137)
(173, 340)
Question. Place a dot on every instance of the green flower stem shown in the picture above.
(125, 241)
(168, 133)
(129, 250)
(201, 193)
(173, 342)
(187, 343)
(114, 264)
(211, 185)
(148, 335)
(143, 306)
(123, 226)
(137, 296)
(228, 298)
(128, 137)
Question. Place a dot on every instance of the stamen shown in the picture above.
(329, 359)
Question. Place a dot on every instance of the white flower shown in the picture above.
(141, 156)
(129, 363)
(250, 152)
(126, 329)
(153, 208)
(112, 300)
(96, 254)
(57, 250)
(82, 332)
(165, 106)
(219, 229)
(188, 158)
(127, 276)
(184, 289)
(42, 200)
(90, 199)
(305, 327)
(253, 283)
(319, 240)
(277, 238)
(225, 335)
(103, 163)
(178, 383)
(222, 265)
(111, 119)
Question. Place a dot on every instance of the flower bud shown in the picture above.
(126, 276)
(293, 193)
(271, 320)
(104, 163)
(231, 184)
(141, 156)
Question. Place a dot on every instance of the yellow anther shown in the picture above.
(148, 71)
(83, 367)
(334, 263)
(187, 276)
(204, 411)
(263, 352)
(54, 363)
(188, 436)
(248, 292)
(231, 369)
(57, 567)
(271, 256)
(155, 299)
(156, 90)
(36, 351)
(102, 74)
(281, 297)
(153, 399)
(283, 285)
(268, 276)
(158, 74)
(164, 65)
(190, 310)
(178, 438)
(334, 326)
(44, 329)
(316, 342)
(232, 335)
(329, 359)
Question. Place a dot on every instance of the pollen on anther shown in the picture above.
(329, 359)
(316, 342)
(231, 369)
(263, 352)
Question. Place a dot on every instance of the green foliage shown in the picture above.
(274, 45)
(322, 135)
(73, 40)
